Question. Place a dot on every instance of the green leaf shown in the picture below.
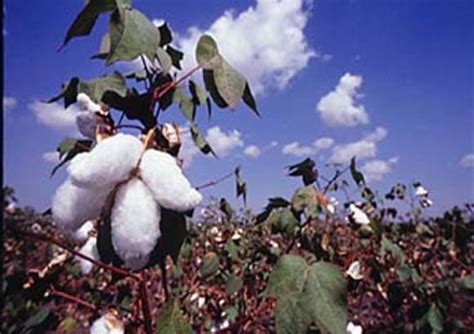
(37, 320)
(234, 284)
(356, 175)
(85, 20)
(225, 207)
(210, 84)
(170, 320)
(68, 148)
(176, 56)
(240, 185)
(387, 246)
(435, 319)
(232, 249)
(69, 91)
(104, 47)
(230, 83)
(207, 53)
(131, 34)
(68, 325)
(324, 297)
(200, 141)
(185, 103)
(96, 88)
(467, 282)
(305, 169)
(303, 198)
(307, 294)
(140, 75)
(209, 265)
(249, 99)
(164, 59)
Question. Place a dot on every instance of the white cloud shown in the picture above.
(362, 149)
(266, 42)
(375, 170)
(55, 116)
(339, 107)
(9, 103)
(296, 149)
(323, 143)
(222, 143)
(467, 161)
(52, 156)
(252, 151)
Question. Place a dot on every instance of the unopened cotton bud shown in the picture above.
(73, 205)
(107, 324)
(166, 181)
(89, 249)
(86, 103)
(109, 162)
(135, 223)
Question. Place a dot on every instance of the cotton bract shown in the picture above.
(89, 249)
(73, 205)
(110, 162)
(135, 223)
(166, 181)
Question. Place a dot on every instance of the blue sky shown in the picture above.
(391, 81)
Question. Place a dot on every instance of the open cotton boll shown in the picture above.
(110, 162)
(135, 223)
(107, 324)
(359, 216)
(73, 205)
(86, 103)
(87, 123)
(89, 249)
(170, 187)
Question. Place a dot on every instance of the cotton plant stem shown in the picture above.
(71, 298)
(79, 254)
(215, 182)
(145, 305)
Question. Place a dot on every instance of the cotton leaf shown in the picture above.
(135, 223)
(166, 181)
(73, 205)
(110, 162)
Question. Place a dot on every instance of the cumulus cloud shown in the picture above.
(467, 161)
(375, 170)
(9, 103)
(340, 106)
(55, 116)
(363, 148)
(221, 142)
(252, 151)
(266, 41)
(52, 156)
(298, 150)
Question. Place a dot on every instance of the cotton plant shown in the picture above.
(109, 323)
(141, 181)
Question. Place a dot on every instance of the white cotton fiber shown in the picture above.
(170, 187)
(89, 249)
(73, 205)
(86, 124)
(107, 324)
(86, 103)
(82, 233)
(135, 223)
(110, 162)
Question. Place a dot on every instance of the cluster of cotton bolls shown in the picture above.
(139, 181)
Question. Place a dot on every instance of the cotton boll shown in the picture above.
(110, 162)
(107, 324)
(170, 187)
(89, 249)
(421, 191)
(359, 216)
(73, 205)
(354, 271)
(353, 328)
(83, 232)
(135, 223)
(87, 123)
(86, 103)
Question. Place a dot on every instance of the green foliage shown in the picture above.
(308, 294)
(171, 320)
(240, 185)
(305, 169)
(357, 176)
(68, 148)
(199, 140)
(209, 265)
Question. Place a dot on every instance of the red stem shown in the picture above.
(85, 257)
(145, 305)
(69, 297)
(213, 183)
